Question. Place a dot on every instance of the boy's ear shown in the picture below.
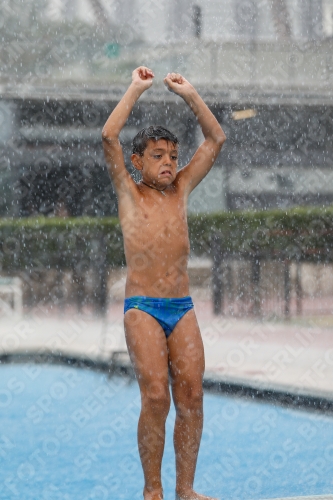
(137, 161)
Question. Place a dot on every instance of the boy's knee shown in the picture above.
(195, 395)
(157, 398)
(189, 397)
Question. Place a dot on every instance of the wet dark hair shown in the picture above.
(152, 133)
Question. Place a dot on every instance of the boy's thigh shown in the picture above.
(186, 351)
(147, 348)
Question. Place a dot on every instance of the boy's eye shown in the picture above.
(175, 158)
(157, 156)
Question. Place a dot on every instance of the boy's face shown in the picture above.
(159, 162)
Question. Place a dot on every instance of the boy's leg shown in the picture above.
(187, 367)
(148, 350)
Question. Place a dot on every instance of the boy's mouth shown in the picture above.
(166, 172)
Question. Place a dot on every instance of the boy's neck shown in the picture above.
(153, 187)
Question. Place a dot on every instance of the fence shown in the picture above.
(10, 296)
(259, 257)
(269, 284)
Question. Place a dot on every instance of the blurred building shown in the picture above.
(278, 152)
(223, 20)
(272, 59)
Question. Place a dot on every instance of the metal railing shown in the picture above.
(267, 284)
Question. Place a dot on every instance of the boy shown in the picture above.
(161, 329)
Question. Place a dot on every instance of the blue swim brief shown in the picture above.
(166, 311)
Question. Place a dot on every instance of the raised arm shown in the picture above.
(142, 79)
(206, 154)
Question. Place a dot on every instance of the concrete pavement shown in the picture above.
(277, 356)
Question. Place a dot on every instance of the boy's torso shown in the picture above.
(156, 241)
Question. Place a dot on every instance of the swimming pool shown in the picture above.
(71, 434)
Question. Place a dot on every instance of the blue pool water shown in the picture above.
(71, 434)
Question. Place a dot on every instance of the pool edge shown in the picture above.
(118, 364)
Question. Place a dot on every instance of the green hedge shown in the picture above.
(300, 232)
(31, 243)
(61, 243)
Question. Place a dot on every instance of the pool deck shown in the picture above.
(312, 497)
(241, 354)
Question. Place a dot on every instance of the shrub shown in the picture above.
(63, 243)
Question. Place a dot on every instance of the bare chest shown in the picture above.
(157, 219)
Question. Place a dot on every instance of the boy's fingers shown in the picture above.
(144, 68)
(174, 77)
(145, 72)
(168, 82)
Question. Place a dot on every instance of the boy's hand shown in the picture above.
(178, 84)
(142, 77)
